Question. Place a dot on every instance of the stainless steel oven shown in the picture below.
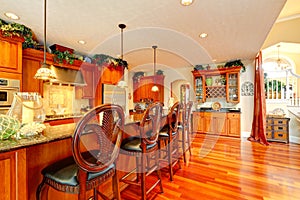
(8, 87)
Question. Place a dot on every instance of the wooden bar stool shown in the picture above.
(184, 128)
(169, 152)
(95, 146)
(145, 149)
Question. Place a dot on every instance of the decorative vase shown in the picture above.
(208, 81)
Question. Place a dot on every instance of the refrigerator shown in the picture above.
(115, 95)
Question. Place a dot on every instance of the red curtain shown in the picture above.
(258, 132)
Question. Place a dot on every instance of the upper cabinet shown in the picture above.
(142, 88)
(217, 83)
(32, 60)
(11, 54)
(90, 75)
(112, 75)
(11, 57)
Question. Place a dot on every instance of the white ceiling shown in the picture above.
(236, 29)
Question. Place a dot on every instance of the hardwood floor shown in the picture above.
(229, 168)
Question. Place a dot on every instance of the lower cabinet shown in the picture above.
(13, 175)
(233, 124)
(218, 123)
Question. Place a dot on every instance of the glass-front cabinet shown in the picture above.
(217, 83)
(233, 90)
(199, 88)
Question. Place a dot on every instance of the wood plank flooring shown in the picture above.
(230, 168)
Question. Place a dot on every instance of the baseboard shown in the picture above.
(294, 139)
(245, 134)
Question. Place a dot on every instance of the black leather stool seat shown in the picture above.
(133, 144)
(164, 132)
(66, 174)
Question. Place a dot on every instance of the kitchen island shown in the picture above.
(23, 160)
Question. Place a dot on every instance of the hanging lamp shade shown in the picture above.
(154, 87)
(122, 83)
(45, 72)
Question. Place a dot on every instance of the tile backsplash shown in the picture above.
(60, 99)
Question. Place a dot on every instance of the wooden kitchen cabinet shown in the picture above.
(218, 123)
(89, 72)
(111, 75)
(217, 83)
(13, 175)
(11, 54)
(11, 58)
(198, 122)
(142, 88)
(234, 124)
(32, 60)
(214, 123)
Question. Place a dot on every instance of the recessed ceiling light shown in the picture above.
(214, 60)
(81, 42)
(203, 35)
(11, 16)
(186, 2)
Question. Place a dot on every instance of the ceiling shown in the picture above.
(236, 29)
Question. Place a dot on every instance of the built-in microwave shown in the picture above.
(8, 87)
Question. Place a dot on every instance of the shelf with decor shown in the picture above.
(217, 83)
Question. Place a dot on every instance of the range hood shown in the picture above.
(68, 76)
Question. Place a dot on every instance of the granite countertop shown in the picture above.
(51, 133)
(235, 110)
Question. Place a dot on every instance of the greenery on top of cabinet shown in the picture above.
(19, 30)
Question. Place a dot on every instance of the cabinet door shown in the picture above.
(10, 54)
(88, 91)
(220, 125)
(208, 123)
(198, 122)
(233, 124)
(111, 75)
(30, 84)
(199, 92)
(136, 91)
(232, 87)
(13, 175)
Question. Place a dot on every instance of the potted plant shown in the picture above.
(137, 76)
(104, 60)
(121, 63)
(63, 56)
(235, 63)
(198, 67)
(159, 72)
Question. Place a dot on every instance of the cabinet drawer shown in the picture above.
(269, 135)
(280, 121)
(280, 128)
(269, 121)
(269, 128)
(280, 135)
(233, 115)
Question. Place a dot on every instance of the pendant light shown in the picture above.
(44, 72)
(154, 87)
(122, 84)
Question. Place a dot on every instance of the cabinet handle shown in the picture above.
(280, 128)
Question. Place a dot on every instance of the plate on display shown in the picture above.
(216, 106)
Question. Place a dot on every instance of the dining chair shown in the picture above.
(95, 148)
(184, 128)
(168, 139)
(144, 148)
